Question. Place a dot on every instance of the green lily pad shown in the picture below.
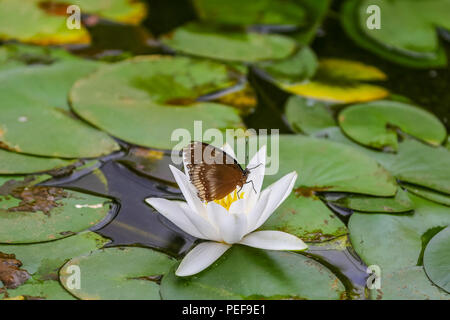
(408, 284)
(396, 44)
(374, 124)
(127, 273)
(15, 163)
(436, 259)
(213, 42)
(306, 217)
(338, 80)
(45, 22)
(394, 242)
(35, 114)
(414, 162)
(134, 91)
(252, 12)
(400, 203)
(30, 214)
(43, 260)
(248, 273)
(308, 116)
(428, 194)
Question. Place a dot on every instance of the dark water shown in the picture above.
(133, 222)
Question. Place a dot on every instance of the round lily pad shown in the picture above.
(35, 115)
(213, 42)
(32, 213)
(436, 259)
(45, 22)
(145, 99)
(43, 260)
(249, 273)
(129, 273)
(374, 124)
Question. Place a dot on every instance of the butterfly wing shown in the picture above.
(213, 172)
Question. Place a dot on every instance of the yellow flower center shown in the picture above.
(229, 199)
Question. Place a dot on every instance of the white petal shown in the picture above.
(201, 257)
(188, 191)
(232, 227)
(273, 240)
(229, 150)
(172, 211)
(279, 191)
(238, 206)
(258, 210)
(206, 228)
(256, 177)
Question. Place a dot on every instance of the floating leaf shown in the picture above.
(248, 273)
(400, 203)
(374, 124)
(129, 273)
(31, 213)
(43, 260)
(436, 259)
(339, 80)
(395, 43)
(35, 115)
(428, 194)
(308, 116)
(212, 42)
(45, 22)
(271, 12)
(15, 163)
(124, 98)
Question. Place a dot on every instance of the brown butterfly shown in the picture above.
(212, 171)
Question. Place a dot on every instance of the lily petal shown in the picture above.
(280, 190)
(256, 176)
(232, 227)
(229, 150)
(188, 192)
(207, 229)
(201, 257)
(238, 206)
(172, 211)
(273, 240)
(258, 210)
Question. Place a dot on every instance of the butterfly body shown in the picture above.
(213, 172)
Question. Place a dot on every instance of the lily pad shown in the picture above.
(271, 12)
(338, 80)
(408, 284)
(124, 98)
(374, 124)
(127, 273)
(15, 163)
(45, 22)
(213, 42)
(428, 194)
(419, 16)
(43, 260)
(436, 259)
(30, 214)
(308, 116)
(248, 273)
(400, 203)
(36, 117)
(394, 242)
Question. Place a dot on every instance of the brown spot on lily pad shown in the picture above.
(309, 192)
(10, 273)
(40, 198)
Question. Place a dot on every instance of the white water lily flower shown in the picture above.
(230, 220)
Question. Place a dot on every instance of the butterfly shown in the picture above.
(212, 171)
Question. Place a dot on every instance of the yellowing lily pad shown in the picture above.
(129, 273)
(36, 118)
(30, 213)
(145, 99)
(45, 22)
(42, 261)
(213, 42)
(339, 80)
(374, 124)
(436, 259)
(248, 273)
